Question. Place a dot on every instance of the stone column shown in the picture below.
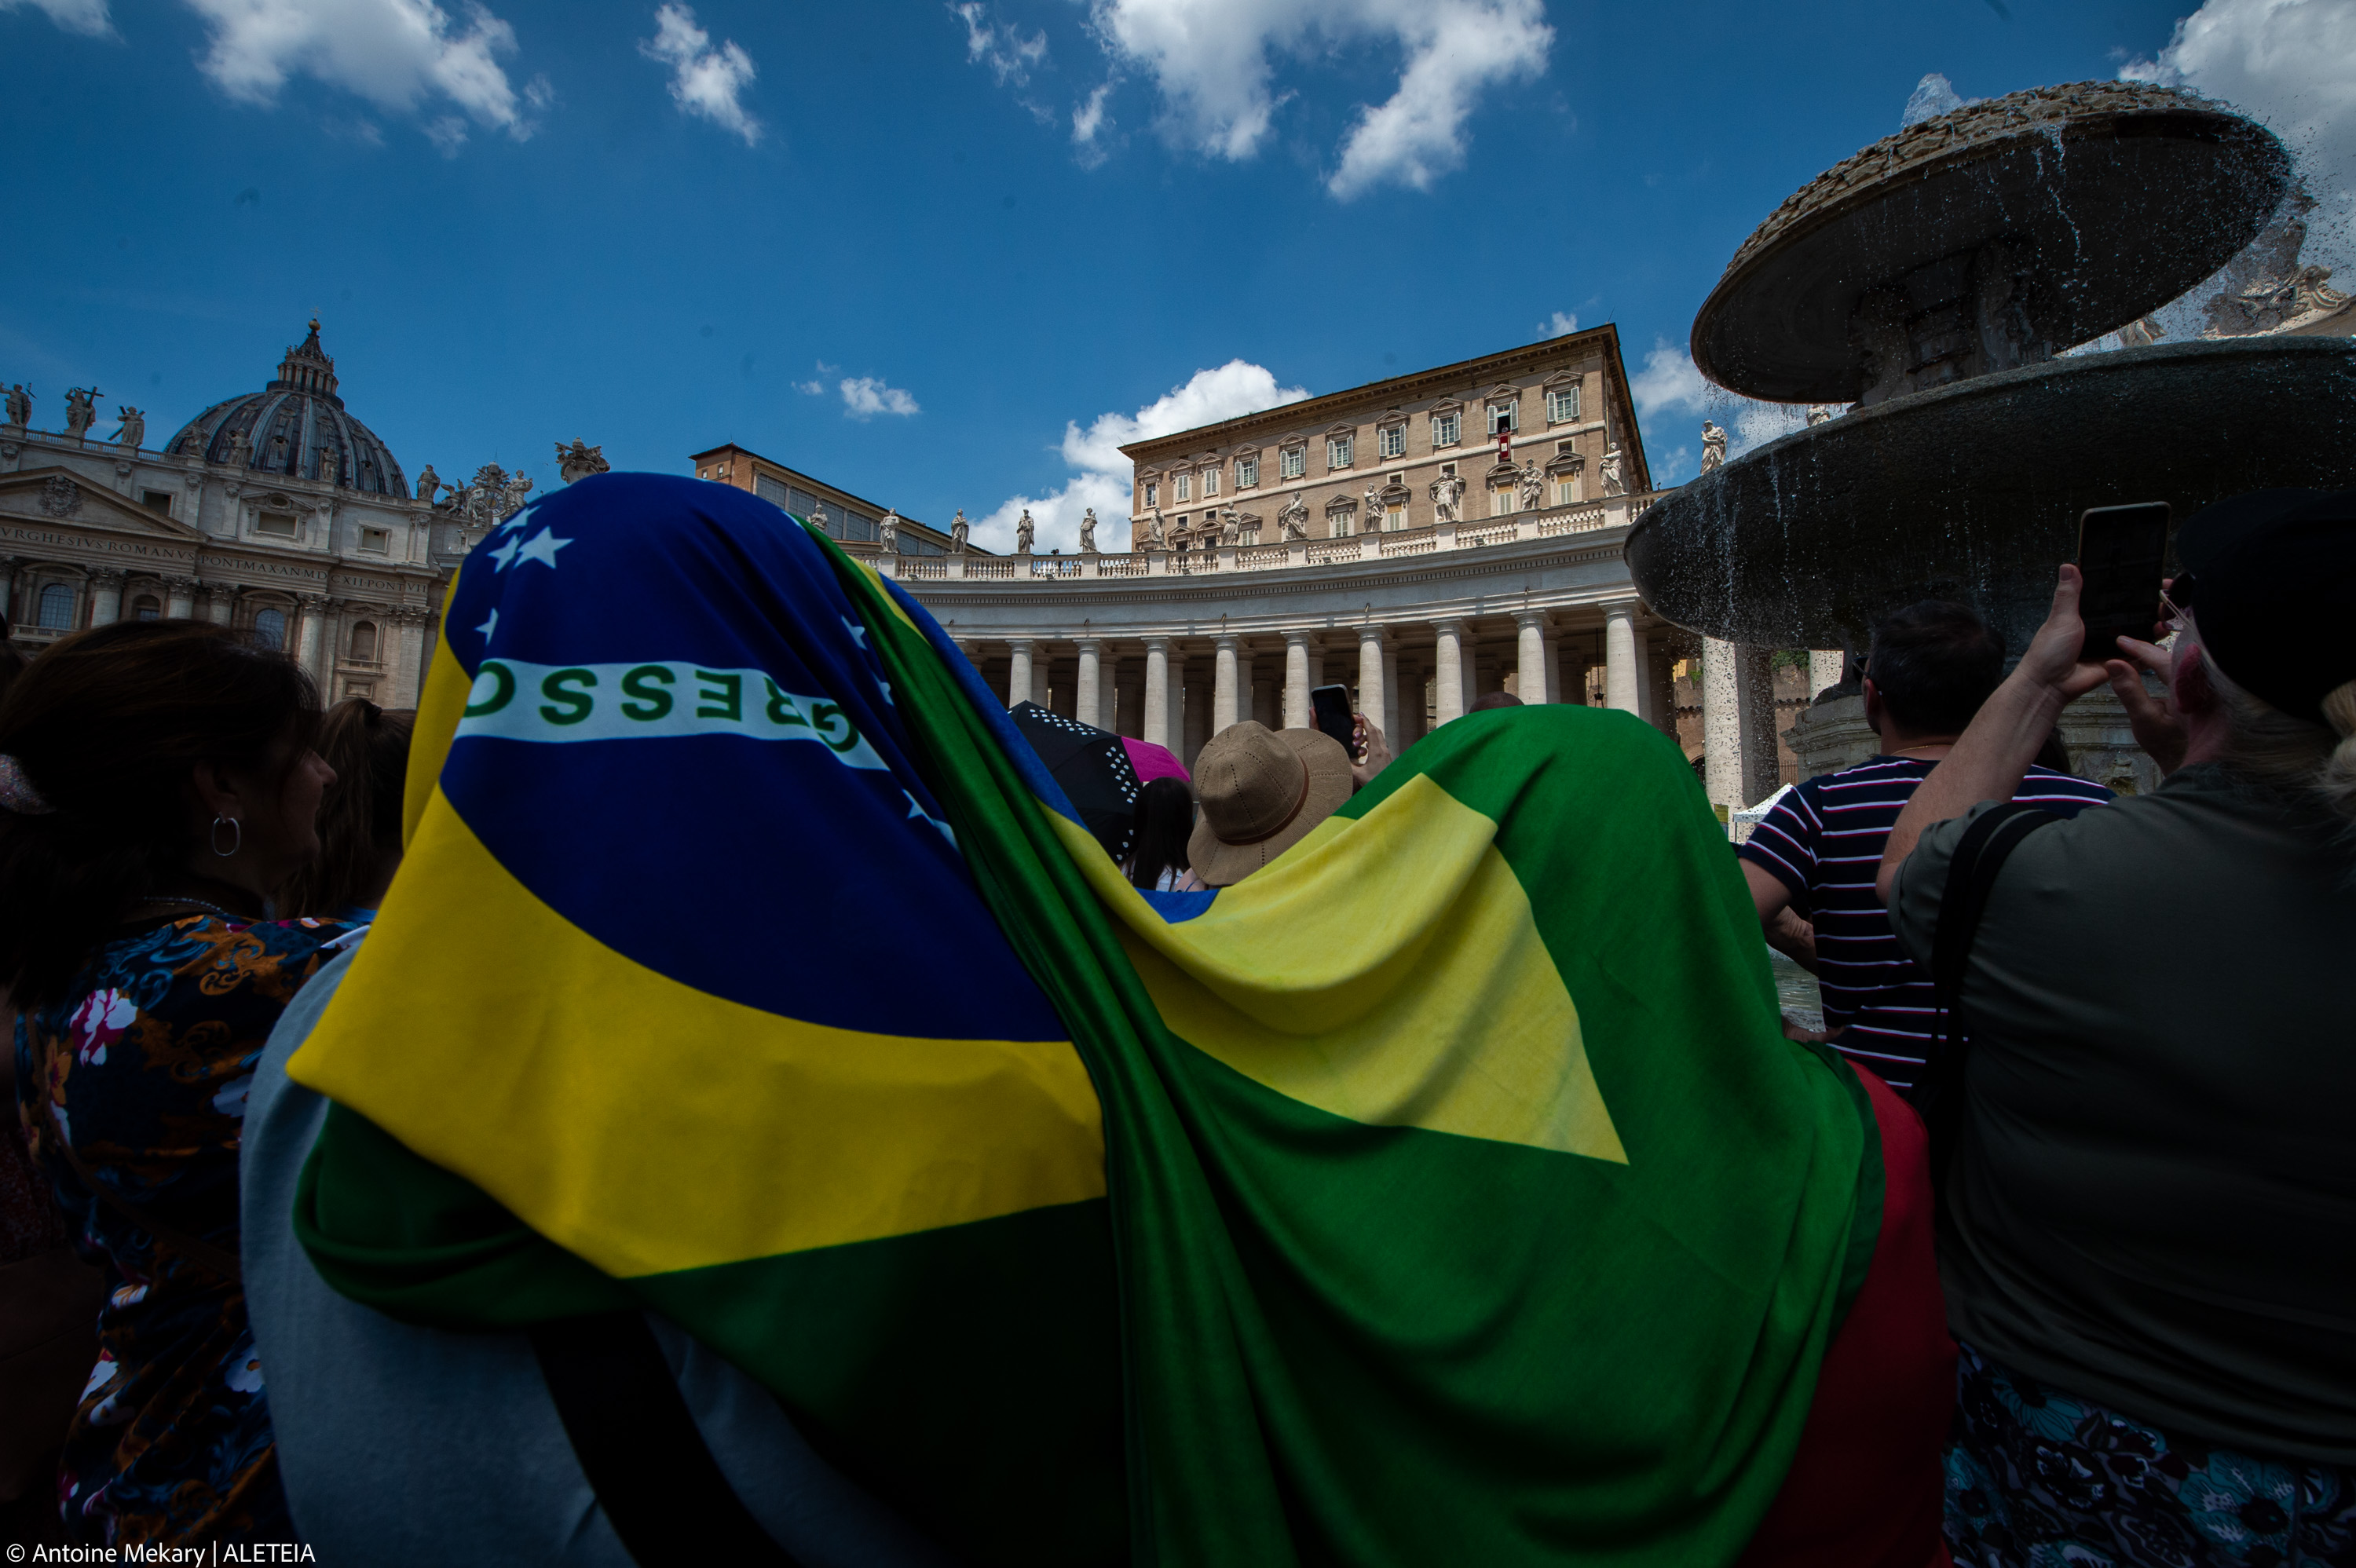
(1296, 681)
(1448, 672)
(105, 598)
(1090, 697)
(1157, 691)
(1224, 677)
(1620, 689)
(1823, 669)
(1018, 677)
(1648, 699)
(1247, 685)
(179, 598)
(1316, 663)
(1738, 718)
(220, 604)
(1389, 717)
(1531, 672)
(408, 657)
(1198, 717)
(1371, 689)
(316, 610)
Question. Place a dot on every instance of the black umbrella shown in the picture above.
(1094, 768)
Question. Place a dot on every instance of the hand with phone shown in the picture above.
(1370, 753)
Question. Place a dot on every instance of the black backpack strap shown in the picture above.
(1979, 856)
(638, 1444)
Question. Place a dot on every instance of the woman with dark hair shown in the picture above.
(1157, 848)
(359, 817)
(157, 789)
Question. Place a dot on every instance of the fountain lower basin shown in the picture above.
(1972, 491)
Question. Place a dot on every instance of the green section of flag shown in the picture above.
(1389, 1346)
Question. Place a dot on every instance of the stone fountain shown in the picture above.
(1933, 281)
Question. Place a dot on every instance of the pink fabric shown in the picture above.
(1153, 762)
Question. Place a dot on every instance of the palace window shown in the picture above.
(1501, 501)
(1391, 440)
(1447, 429)
(1294, 463)
(364, 643)
(377, 541)
(1152, 494)
(1504, 417)
(145, 608)
(270, 628)
(1182, 486)
(57, 607)
(1338, 449)
(278, 525)
(1210, 483)
(1394, 517)
(1562, 405)
(1246, 472)
(773, 490)
(1340, 524)
(1566, 489)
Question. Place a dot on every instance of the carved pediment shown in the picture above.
(1561, 378)
(58, 496)
(1505, 393)
(1566, 463)
(1245, 451)
(1334, 430)
(1340, 504)
(1390, 417)
(1448, 406)
(1502, 474)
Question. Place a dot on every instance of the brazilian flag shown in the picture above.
(1445, 1193)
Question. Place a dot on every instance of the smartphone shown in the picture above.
(2123, 554)
(1329, 710)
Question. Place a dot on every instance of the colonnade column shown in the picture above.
(179, 597)
(105, 598)
(1370, 672)
(1620, 688)
(1389, 717)
(1157, 691)
(1448, 673)
(1088, 709)
(1648, 705)
(1222, 684)
(1531, 672)
(1296, 681)
(1017, 674)
(1738, 718)
(1247, 685)
(220, 604)
(308, 641)
(1825, 666)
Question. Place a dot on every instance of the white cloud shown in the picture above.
(1670, 383)
(704, 80)
(1563, 325)
(85, 17)
(1009, 56)
(810, 388)
(1103, 480)
(864, 397)
(2291, 65)
(1090, 122)
(1212, 61)
(390, 53)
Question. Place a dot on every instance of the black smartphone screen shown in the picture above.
(1329, 707)
(2123, 553)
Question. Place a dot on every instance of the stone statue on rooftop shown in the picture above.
(20, 405)
(429, 484)
(1292, 522)
(80, 415)
(816, 519)
(1614, 482)
(1447, 492)
(887, 532)
(1153, 535)
(1231, 528)
(1025, 531)
(240, 449)
(1088, 532)
(1533, 487)
(580, 460)
(134, 426)
(1819, 413)
(1713, 445)
(1374, 509)
(959, 530)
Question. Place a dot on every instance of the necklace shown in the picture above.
(183, 899)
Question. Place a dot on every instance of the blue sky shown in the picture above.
(947, 256)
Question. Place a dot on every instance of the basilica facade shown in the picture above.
(276, 511)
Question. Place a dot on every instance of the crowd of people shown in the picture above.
(2100, 1036)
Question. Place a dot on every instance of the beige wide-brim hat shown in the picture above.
(1262, 790)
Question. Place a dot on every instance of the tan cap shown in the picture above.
(1262, 790)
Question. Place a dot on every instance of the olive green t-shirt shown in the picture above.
(2154, 1199)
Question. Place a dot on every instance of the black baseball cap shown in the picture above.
(2275, 575)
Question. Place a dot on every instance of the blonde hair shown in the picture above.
(2264, 742)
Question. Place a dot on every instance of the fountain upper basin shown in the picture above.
(1972, 491)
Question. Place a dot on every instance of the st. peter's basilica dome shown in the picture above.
(295, 426)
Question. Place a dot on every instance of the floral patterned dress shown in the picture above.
(144, 1069)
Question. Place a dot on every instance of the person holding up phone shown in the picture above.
(1262, 790)
(2145, 1259)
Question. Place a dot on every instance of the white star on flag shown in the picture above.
(488, 628)
(917, 813)
(858, 633)
(505, 554)
(543, 549)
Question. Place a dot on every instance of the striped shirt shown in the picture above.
(1824, 841)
